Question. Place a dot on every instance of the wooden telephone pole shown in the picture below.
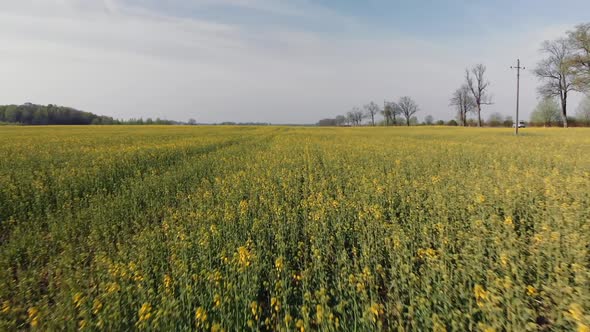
(518, 68)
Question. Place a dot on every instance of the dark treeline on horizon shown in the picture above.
(38, 115)
(32, 114)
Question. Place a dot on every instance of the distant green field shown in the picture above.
(277, 228)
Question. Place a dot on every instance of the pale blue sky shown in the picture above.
(274, 61)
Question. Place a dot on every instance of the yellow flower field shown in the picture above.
(294, 229)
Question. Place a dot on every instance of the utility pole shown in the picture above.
(518, 68)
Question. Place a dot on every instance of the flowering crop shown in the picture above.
(279, 228)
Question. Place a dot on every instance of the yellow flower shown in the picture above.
(77, 298)
(216, 328)
(145, 312)
(244, 256)
(360, 287)
(96, 306)
(531, 291)
(485, 328)
(216, 300)
(438, 326)
(167, 282)
(300, 325)
(288, 319)
(254, 308)
(576, 312)
(201, 314)
(428, 253)
(274, 303)
(375, 310)
(5, 307)
(113, 287)
(33, 314)
(504, 259)
(279, 263)
(480, 294)
(319, 313)
(480, 198)
(508, 221)
(243, 207)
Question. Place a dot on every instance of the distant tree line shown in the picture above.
(564, 69)
(32, 114)
(148, 121)
(394, 114)
(231, 123)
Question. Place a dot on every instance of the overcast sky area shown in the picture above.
(278, 61)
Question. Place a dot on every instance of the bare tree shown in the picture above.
(372, 109)
(390, 112)
(478, 85)
(350, 118)
(407, 107)
(556, 73)
(386, 112)
(359, 116)
(429, 120)
(355, 116)
(463, 100)
(579, 41)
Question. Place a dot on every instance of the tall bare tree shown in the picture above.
(387, 113)
(355, 116)
(556, 73)
(579, 40)
(407, 107)
(372, 109)
(390, 112)
(478, 85)
(350, 118)
(359, 115)
(463, 100)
